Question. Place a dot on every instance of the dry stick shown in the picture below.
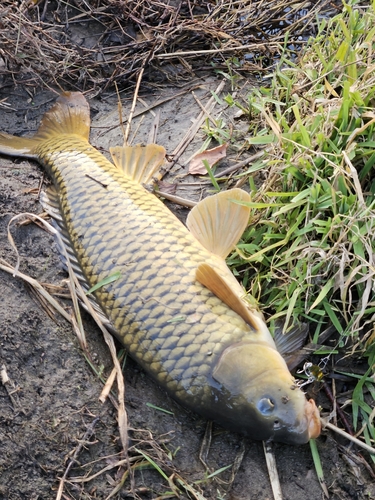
(115, 465)
(272, 470)
(136, 130)
(237, 462)
(119, 109)
(108, 386)
(142, 101)
(356, 441)
(15, 273)
(339, 411)
(205, 445)
(240, 164)
(11, 389)
(135, 96)
(121, 411)
(207, 113)
(127, 129)
(122, 416)
(148, 108)
(176, 199)
(190, 134)
(89, 432)
(251, 46)
(154, 128)
(357, 458)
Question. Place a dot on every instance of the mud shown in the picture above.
(50, 406)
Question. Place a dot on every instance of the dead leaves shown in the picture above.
(212, 156)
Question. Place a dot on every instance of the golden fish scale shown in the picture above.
(171, 324)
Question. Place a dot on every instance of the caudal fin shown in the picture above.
(69, 115)
(16, 146)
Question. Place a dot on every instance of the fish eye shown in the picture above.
(276, 424)
(266, 406)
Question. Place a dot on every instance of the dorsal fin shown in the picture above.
(139, 163)
(209, 278)
(69, 115)
(218, 222)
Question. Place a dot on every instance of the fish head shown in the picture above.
(255, 381)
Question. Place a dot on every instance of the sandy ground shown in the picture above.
(50, 404)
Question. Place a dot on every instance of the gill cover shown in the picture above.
(254, 378)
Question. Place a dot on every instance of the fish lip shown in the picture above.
(313, 419)
(309, 427)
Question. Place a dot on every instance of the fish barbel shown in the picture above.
(175, 305)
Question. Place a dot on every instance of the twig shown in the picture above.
(205, 445)
(37, 286)
(10, 388)
(176, 199)
(272, 470)
(190, 134)
(347, 436)
(252, 46)
(148, 108)
(89, 432)
(127, 129)
(240, 164)
(154, 129)
(339, 411)
(119, 109)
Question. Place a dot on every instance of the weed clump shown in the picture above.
(92, 45)
(308, 253)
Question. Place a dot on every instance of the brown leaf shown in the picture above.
(213, 155)
(167, 187)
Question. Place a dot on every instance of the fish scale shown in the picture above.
(162, 315)
(174, 304)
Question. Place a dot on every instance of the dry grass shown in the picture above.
(89, 45)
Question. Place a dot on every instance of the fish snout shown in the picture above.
(313, 419)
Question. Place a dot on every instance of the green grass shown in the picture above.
(308, 251)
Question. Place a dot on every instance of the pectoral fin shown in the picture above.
(292, 340)
(218, 221)
(291, 344)
(139, 163)
(209, 278)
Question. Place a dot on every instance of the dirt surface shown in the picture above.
(50, 404)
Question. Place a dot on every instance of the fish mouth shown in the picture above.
(313, 419)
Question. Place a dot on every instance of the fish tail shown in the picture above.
(69, 115)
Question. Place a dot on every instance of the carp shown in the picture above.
(175, 305)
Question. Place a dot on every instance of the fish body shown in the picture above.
(175, 305)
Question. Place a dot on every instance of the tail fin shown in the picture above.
(69, 115)
(16, 146)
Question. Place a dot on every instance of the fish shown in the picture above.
(174, 303)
